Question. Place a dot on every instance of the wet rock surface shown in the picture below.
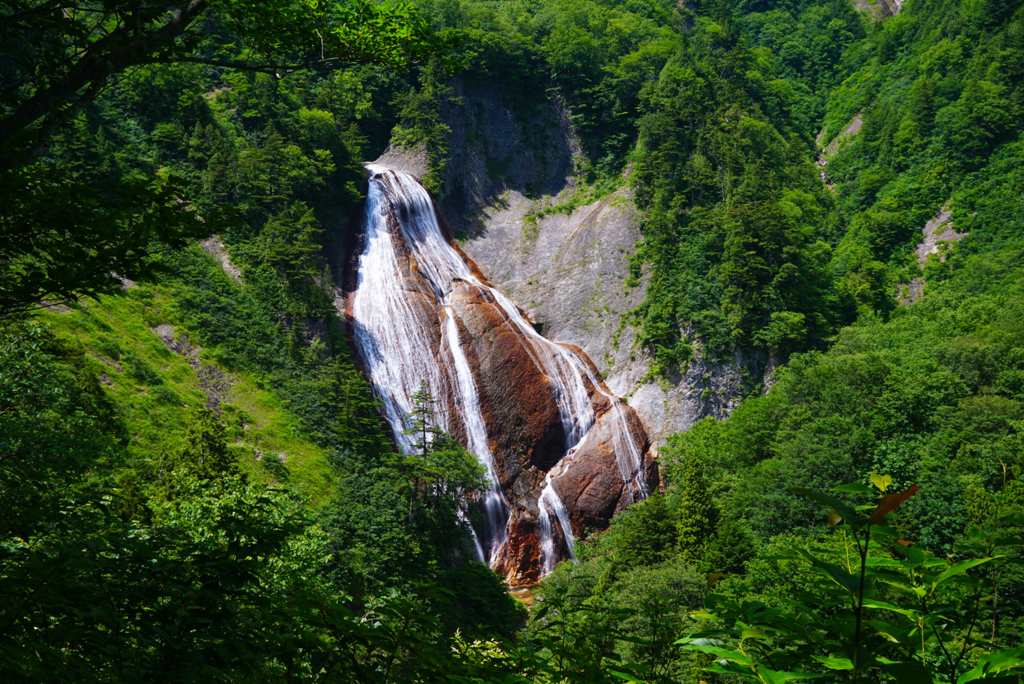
(526, 387)
(515, 396)
(590, 477)
(528, 441)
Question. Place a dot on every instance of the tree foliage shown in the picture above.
(66, 237)
(887, 609)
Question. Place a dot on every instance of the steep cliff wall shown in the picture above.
(557, 446)
(567, 269)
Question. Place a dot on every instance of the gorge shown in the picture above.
(562, 453)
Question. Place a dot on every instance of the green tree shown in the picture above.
(886, 609)
(645, 533)
(205, 452)
(698, 517)
(730, 548)
(73, 54)
(420, 421)
(62, 237)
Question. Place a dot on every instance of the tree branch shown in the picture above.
(102, 59)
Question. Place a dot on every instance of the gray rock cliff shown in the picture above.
(566, 270)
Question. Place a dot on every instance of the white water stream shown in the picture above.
(392, 312)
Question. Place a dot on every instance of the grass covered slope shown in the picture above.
(154, 374)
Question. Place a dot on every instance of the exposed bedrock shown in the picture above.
(590, 476)
(515, 396)
(567, 271)
(528, 439)
(564, 453)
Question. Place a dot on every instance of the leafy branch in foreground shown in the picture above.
(62, 237)
(83, 244)
(58, 59)
(885, 611)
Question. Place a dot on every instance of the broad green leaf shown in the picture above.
(881, 481)
(959, 568)
(1011, 519)
(844, 579)
(892, 633)
(834, 663)
(1014, 540)
(852, 488)
(915, 553)
(882, 605)
(884, 562)
(726, 667)
(845, 510)
(1012, 679)
(733, 656)
(994, 663)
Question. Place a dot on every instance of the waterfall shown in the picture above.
(627, 454)
(548, 553)
(390, 334)
(406, 333)
(495, 505)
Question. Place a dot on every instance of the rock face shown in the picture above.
(590, 475)
(563, 453)
(567, 271)
(937, 237)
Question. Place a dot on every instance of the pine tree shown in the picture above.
(420, 421)
(730, 549)
(205, 451)
(644, 532)
(419, 424)
(698, 516)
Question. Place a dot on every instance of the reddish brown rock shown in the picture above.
(589, 481)
(515, 396)
(520, 562)
(527, 438)
(524, 427)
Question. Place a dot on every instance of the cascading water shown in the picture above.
(549, 500)
(495, 506)
(627, 455)
(407, 333)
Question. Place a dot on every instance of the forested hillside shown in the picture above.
(197, 482)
